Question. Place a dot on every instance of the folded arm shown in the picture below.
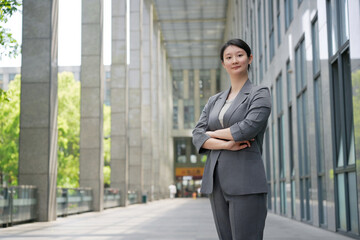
(254, 121)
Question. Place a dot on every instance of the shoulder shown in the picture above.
(261, 92)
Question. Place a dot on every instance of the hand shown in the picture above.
(236, 146)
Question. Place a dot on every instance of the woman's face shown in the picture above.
(236, 60)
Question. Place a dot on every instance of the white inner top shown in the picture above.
(223, 111)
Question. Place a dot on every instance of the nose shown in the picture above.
(234, 60)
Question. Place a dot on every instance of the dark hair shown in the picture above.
(238, 43)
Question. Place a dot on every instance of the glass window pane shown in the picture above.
(342, 201)
(344, 21)
(293, 198)
(334, 28)
(354, 224)
(259, 29)
(304, 128)
(318, 124)
(272, 45)
(315, 46)
(303, 64)
(351, 159)
(283, 147)
(279, 94)
(298, 70)
(291, 147)
(340, 159)
(271, 18)
(322, 200)
(300, 134)
(279, 29)
(308, 197)
(288, 80)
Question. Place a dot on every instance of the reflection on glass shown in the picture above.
(354, 224)
(344, 20)
(293, 199)
(342, 201)
(351, 159)
(334, 28)
(340, 160)
(288, 80)
(356, 109)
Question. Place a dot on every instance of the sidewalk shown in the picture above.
(170, 219)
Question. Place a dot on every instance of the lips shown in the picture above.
(236, 67)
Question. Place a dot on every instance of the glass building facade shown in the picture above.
(312, 143)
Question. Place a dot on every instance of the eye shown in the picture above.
(240, 55)
(228, 57)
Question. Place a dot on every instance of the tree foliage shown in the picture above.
(9, 131)
(69, 133)
(8, 44)
(107, 145)
(68, 130)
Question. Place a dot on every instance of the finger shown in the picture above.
(243, 146)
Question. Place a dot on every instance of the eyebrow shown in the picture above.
(236, 52)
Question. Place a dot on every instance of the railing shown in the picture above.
(132, 197)
(17, 204)
(111, 197)
(73, 200)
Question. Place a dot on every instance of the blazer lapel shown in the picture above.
(217, 108)
(239, 99)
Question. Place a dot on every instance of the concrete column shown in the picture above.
(170, 148)
(134, 118)
(212, 82)
(164, 114)
(146, 120)
(92, 99)
(119, 143)
(196, 95)
(38, 116)
(155, 112)
(161, 118)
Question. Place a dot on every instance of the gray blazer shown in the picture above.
(240, 172)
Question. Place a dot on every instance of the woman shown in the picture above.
(231, 130)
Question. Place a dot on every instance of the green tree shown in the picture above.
(9, 46)
(68, 130)
(69, 133)
(9, 131)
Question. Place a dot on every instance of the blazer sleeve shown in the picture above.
(199, 132)
(256, 117)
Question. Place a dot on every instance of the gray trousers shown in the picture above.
(238, 217)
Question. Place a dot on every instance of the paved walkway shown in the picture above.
(171, 219)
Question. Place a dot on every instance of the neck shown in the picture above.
(237, 82)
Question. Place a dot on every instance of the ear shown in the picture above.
(250, 58)
(222, 63)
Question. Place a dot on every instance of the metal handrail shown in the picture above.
(73, 201)
(112, 197)
(17, 204)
